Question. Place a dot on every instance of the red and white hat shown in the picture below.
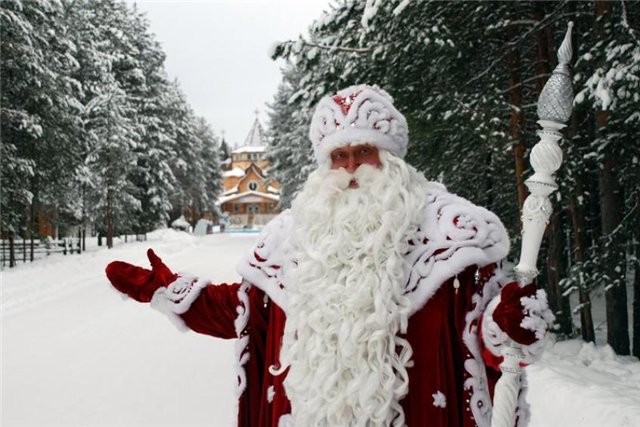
(356, 115)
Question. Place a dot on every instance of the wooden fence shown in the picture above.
(41, 249)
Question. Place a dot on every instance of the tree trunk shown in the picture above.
(556, 271)
(32, 224)
(636, 279)
(577, 211)
(109, 218)
(542, 66)
(2, 244)
(577, 219)
(24, 247)
(611, 208)
(517, 118)
(84, 219)
(12, 250)
(613, 268)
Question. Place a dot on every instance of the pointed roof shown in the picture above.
(255, 138)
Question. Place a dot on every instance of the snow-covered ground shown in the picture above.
(75, 354)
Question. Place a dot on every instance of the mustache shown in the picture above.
(340, 179)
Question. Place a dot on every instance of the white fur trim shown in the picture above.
(477, 384)
(355, 136)
(160, 302)
(492, 336)
(270, 393)
(285, 420)
(177, 298)
(241, 350)
(266, 263)
(371, 118)
(453, 235)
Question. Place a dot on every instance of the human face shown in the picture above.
(350, 157)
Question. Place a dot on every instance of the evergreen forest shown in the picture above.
(94, 133)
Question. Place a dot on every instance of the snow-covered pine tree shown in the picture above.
(152, 176)
(210, 164)
(38, 120)
(288, 141)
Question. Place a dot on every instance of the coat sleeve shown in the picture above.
(492, 338)
(201, 306)
(214, 311)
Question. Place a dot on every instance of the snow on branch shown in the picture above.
(289, 47)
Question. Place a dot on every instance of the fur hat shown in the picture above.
(356, 115)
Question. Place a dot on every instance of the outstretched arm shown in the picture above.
(201, 306)
(191, 303)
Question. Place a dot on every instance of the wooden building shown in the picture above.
(250, 195)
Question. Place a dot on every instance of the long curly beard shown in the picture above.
(347, 363)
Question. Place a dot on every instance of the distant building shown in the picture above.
(250, 195)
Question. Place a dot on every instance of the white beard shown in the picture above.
(347, 364)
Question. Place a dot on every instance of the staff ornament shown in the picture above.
(554, 109)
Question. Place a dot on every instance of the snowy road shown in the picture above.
(75, 354)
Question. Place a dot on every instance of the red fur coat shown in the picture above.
(452, 276)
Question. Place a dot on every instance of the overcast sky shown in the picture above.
(218, 50)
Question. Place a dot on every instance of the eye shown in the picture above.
(365, 151)
(340, 155)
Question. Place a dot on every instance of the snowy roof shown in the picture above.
(250, 149)
(270, 189)
(232, 190)
(181, 222)
(248, 194)
(237, 172)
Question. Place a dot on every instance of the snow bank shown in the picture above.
(578, 384)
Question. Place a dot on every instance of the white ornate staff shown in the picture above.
(554, 109)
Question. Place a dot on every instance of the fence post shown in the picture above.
(12, 250)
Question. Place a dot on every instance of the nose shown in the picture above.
(352, 164)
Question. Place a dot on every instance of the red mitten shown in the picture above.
(523, 313)
(137, 282)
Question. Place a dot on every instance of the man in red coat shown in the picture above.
(376, 300)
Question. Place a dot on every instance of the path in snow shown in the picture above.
(75, 354)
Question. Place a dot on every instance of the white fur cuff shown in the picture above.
(494, 338)
(177, 298)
